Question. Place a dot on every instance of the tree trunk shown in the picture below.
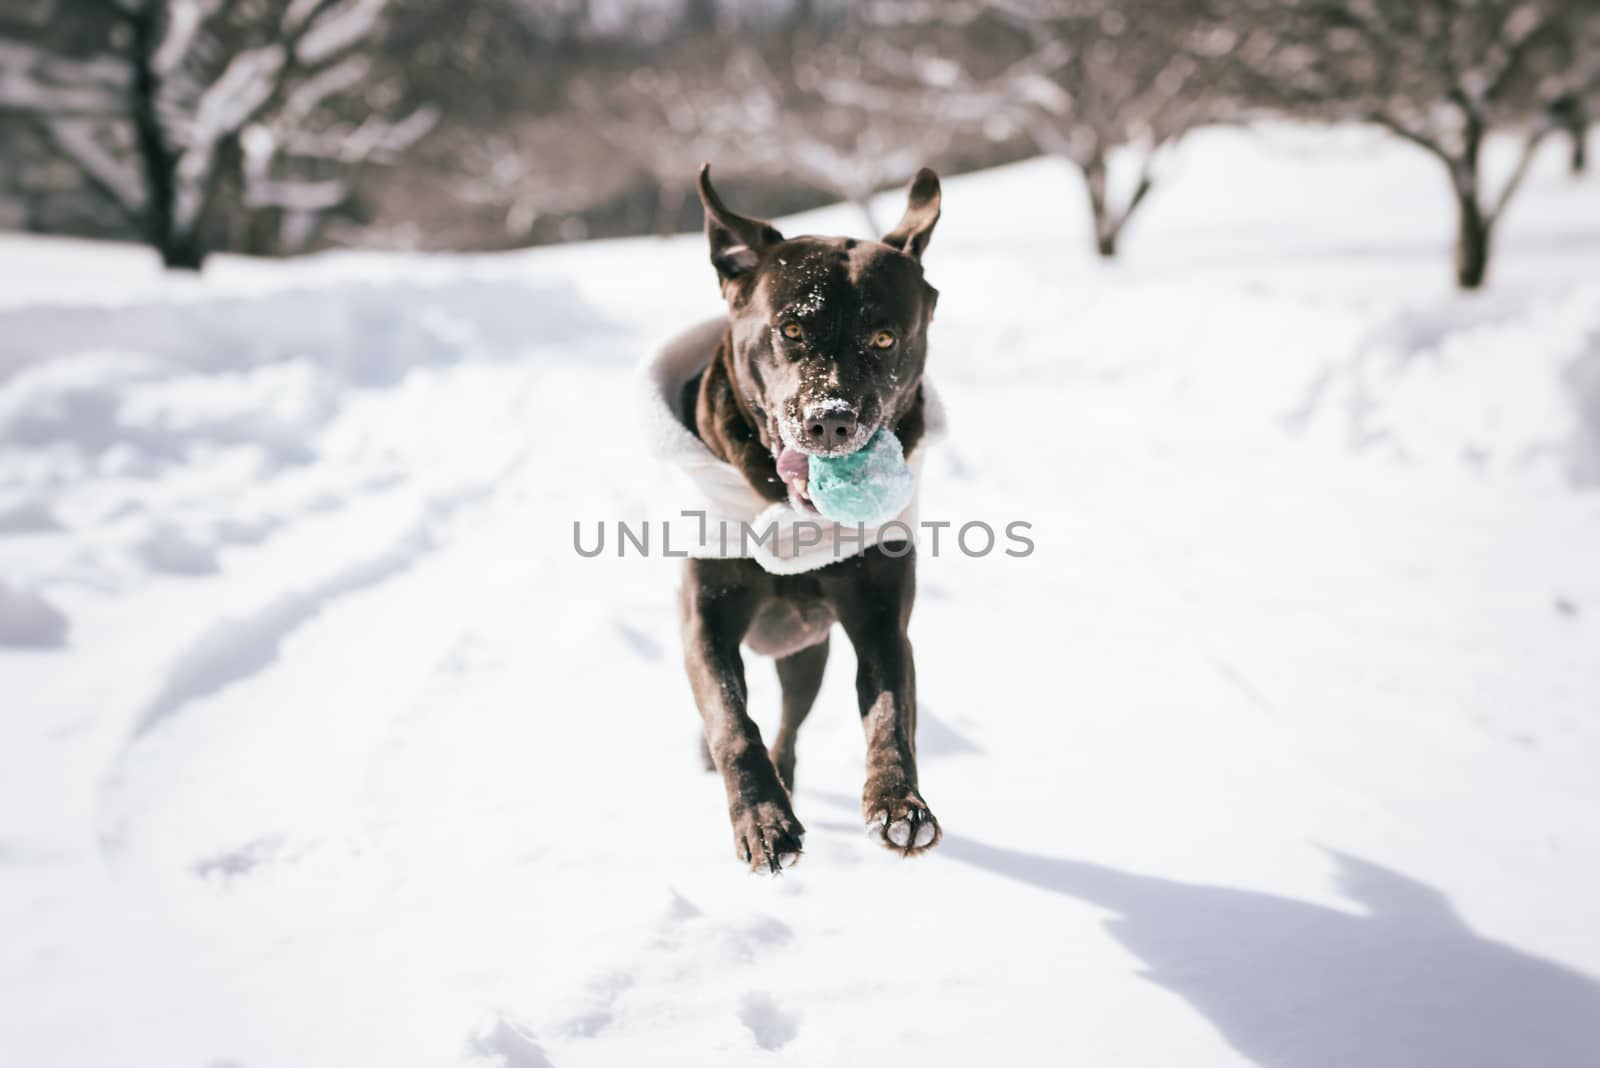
(182, 252)
(1569, 113)
(1473, 230)
(1105, 228)
(1474, 226)
(157, 165)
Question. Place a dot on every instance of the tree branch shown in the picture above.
(103, 173)
(1530, 148)
(1140, 191)
(32, 81)
(256, 81)
(1401, 130)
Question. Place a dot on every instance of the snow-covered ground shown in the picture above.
(321, 746)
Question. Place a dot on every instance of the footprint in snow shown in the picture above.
(505, 1045)
(233, 864)
(641, 643)
(770, 1026)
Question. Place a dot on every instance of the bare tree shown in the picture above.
(810, 96)
(538, 172)
(1572, 95)
(1101, 77)
(849, 120)
(172, 110)
(665, 120)
(1569, 113)
(1082, 80)
(1439, 74)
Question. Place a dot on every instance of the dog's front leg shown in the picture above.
(886, 688)
(716, 611)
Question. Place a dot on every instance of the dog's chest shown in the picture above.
(784, 625)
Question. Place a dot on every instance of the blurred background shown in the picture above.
(274, 127)
(320, 745)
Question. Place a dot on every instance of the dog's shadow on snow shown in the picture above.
(1403, 984)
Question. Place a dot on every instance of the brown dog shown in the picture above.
(825, 343)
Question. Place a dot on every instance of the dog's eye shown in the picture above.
(792, 330)
(883, 339)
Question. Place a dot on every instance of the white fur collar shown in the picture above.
(737, 518)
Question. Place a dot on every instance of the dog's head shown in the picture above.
(829, 334)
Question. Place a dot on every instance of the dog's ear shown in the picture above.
(736, 241)
(911, 234)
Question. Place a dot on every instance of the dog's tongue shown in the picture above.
(794, 467)
(793, 464)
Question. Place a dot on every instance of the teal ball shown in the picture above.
(869, 486)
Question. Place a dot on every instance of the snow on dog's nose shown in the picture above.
(829, 424)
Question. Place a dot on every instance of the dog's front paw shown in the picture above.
(767, 836)
(901, 820)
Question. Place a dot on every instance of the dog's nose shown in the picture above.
(829, 426)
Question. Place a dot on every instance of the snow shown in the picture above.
(323, 746)
(26, 619)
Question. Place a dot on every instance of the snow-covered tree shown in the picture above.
(1081, 79)
(806, 95)
(1101, 77)
(1571, 97)
(1439, 74)
(181, 114)
(847, 120)
(662, 120)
